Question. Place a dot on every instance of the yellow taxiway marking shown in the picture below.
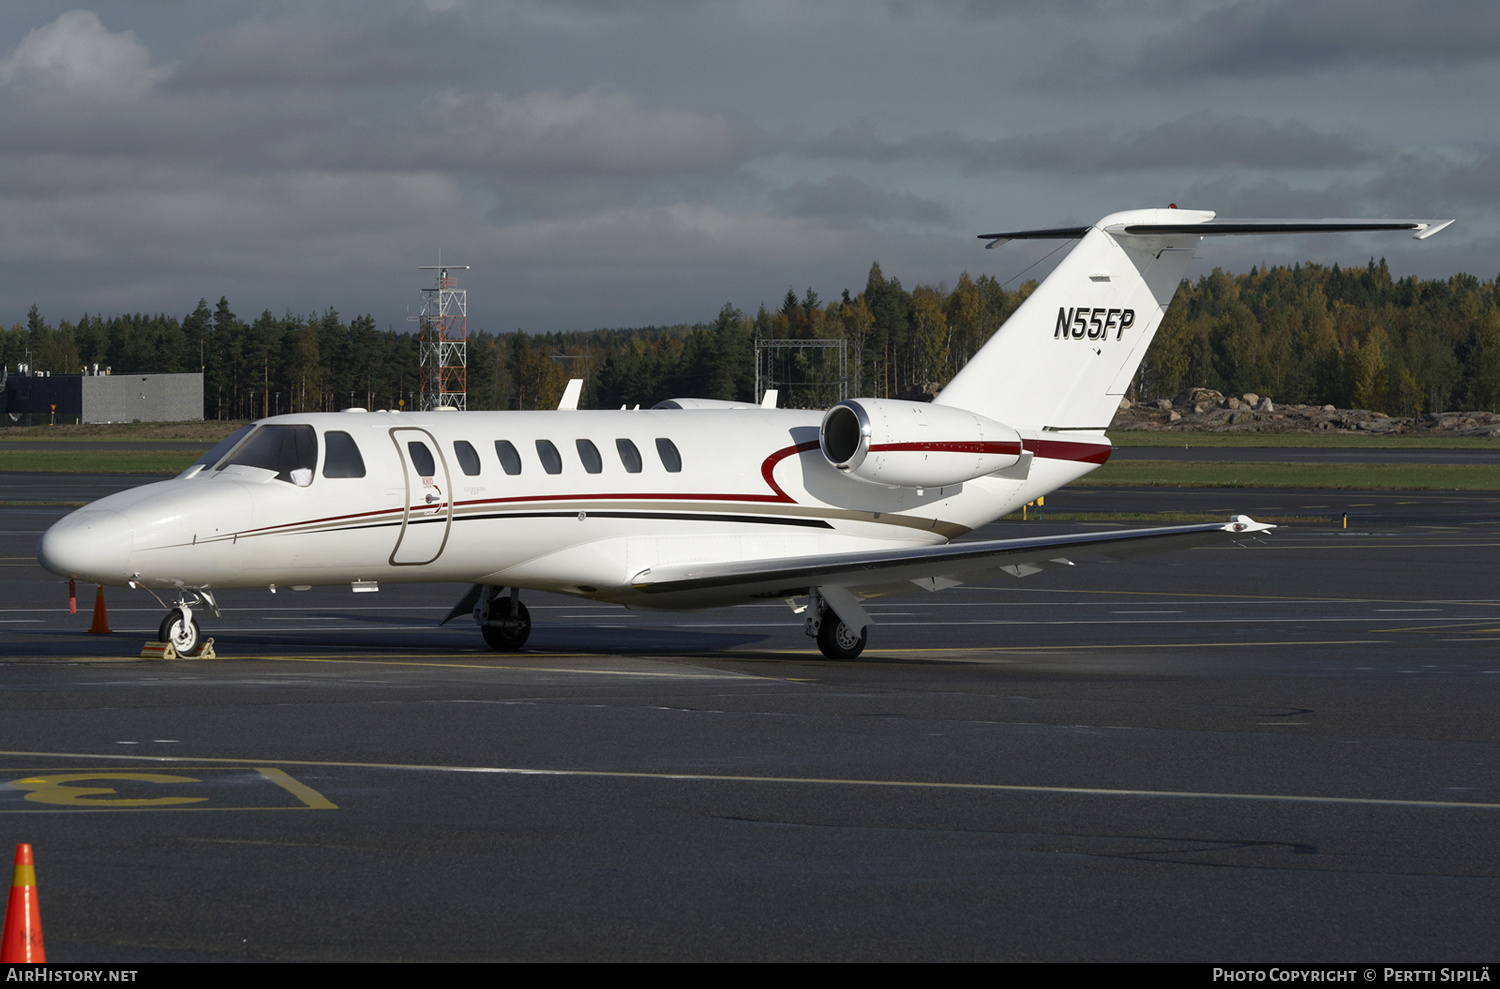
(1064, 647)
(1456, 625)
(504, 666)
(1084, 791)
(312, 798)
(1168, 596)
(93, 790)
(398, 661)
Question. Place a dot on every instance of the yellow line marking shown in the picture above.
(388, 661)
(303, 792)
(515, 669)
(1168, 595)
(805, 781)
(78, 800)
(1064, 647)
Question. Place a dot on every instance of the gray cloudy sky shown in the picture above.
(618, 164)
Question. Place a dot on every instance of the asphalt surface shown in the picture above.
(1278, 752)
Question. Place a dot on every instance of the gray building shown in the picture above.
(30, 398)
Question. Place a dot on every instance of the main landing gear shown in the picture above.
(180, 628)
(837, 639)
(503, 621)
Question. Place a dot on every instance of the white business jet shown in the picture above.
(694, 503)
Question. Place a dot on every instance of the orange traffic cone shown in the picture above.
(101, 620)
(22, 939)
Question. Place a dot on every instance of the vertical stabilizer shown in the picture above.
(1065, 357)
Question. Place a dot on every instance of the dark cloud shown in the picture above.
(653, 160)
(1201, 140)
(846, 200)
(1253, 38)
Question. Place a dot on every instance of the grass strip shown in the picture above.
(207, 432)
(98, 461)
(1163, 518)
(1125, 439)
(1233, 474)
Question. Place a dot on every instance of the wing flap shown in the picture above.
(930, 566)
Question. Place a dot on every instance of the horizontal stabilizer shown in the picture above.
(1218, 227)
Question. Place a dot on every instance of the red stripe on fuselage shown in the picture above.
(1088, 453)
(956, 446)
(767, 473)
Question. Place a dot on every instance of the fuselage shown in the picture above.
(571, 501)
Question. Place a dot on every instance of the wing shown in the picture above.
(876, 572)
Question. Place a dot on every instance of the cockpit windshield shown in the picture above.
(290, 451)
(216, 453)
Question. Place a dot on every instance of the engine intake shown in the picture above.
(913, 444)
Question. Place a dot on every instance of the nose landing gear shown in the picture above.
(181, 629)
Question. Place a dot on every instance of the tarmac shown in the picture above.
(1281, 751)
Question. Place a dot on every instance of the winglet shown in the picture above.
(569, 400)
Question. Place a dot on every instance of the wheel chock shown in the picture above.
(165, 650)
(21, 940)
(158, 650)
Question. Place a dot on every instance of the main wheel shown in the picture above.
(507, 638)
(838, 641)
(179, 630)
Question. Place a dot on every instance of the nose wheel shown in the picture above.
(181, 629)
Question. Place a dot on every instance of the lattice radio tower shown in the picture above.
(442, 341)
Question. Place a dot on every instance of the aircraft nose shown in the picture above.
(89, 544)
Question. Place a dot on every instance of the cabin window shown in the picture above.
(589, 454)
(510, 459)
(287, 450)
(551, 459)
(629, 456)
(341, 457)
(421, 458)
(468, 457)
(670, 458)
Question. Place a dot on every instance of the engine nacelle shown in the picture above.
(914, 444)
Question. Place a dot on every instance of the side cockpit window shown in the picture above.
(341, 457)
(290, 451)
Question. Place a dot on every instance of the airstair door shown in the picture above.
(428, 509)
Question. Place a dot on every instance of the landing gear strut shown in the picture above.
(503, 621)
